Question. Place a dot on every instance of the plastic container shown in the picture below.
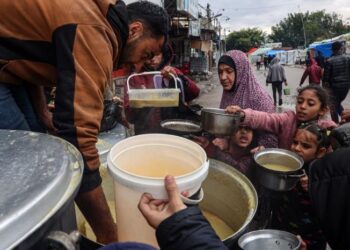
(138, 165)
(286, 91)
(157, 97)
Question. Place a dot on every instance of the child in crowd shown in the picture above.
(236, 151)
(293, 211)
(312, 105)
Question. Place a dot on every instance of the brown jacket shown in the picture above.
(68, 44)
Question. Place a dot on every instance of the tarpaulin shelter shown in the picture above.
(251, 50)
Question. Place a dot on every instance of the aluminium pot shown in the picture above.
(278, 180)
(269, 240)
(181, 127)
(218, 122)
(40, 176)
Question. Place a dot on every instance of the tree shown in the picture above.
(245, 39)
(318, 25)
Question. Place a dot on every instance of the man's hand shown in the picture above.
(155, 211)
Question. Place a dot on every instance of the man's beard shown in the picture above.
(127, 54)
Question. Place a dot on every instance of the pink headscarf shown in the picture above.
(247, 91)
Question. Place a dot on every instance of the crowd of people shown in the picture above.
(76, 52)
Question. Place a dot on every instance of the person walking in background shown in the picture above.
(336, 78)
(320, 59)
(276, 76)
(313, 71)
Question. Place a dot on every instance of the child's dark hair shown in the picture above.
(321, 93)
(153, 17)
(321, 134)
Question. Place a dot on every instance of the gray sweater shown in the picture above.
(276, 72)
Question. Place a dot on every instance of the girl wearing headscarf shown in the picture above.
(243, 89)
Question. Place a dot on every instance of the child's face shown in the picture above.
(243, 137)
(308, 106)
(305, 145)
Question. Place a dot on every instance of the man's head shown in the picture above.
(336, 47)
(148, 31)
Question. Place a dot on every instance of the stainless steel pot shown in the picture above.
(217, 122)
(181, 127)
(40, 176)
(269, 240)
(274, 179)
(231, 196)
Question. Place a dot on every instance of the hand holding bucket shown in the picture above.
(155, 211)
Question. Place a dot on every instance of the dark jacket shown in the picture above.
(329, 185)
(337, 72)
(188, 230)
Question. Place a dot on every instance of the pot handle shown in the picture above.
(195, 201)
(297, 176)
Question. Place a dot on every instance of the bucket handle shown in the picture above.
(149, 73)
(192, 202)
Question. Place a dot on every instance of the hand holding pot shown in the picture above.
(221, 143)
(155, 211)
(304, 181)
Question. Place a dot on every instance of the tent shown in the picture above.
(251, 51)
(273, 52)
(325, 48)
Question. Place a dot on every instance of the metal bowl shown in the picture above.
(217, 122)
(181, 127)
(269, 240)
(278, 180)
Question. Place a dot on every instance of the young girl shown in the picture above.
(312, 104)
(293, 210)
(235, 152)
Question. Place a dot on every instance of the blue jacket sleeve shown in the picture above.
(188, 229)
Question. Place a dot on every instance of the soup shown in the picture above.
(139, 103)
(220, 227)
(278, 167)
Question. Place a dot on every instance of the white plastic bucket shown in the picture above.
(139, 153)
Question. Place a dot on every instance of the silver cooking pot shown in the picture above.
(278, 180)
(269, 240)
(217, 122)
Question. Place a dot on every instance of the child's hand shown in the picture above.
(221, 143)
(304, 181)
(200, 140)
(257, 149)
(233, 109)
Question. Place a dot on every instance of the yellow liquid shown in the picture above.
(157, 169)
(220, 227)
(139, 103)
(278, 167)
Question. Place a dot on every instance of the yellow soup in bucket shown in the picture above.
(164, 162)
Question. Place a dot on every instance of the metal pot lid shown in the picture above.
(268, 239)
(179, 125)
(39, 173)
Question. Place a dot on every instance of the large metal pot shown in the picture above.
(278, 180)
(40, 176)
(217, 122)
(231, 196)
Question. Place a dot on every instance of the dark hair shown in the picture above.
(336, 46)
(321, 134)
(153, 17)
(320, 92)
